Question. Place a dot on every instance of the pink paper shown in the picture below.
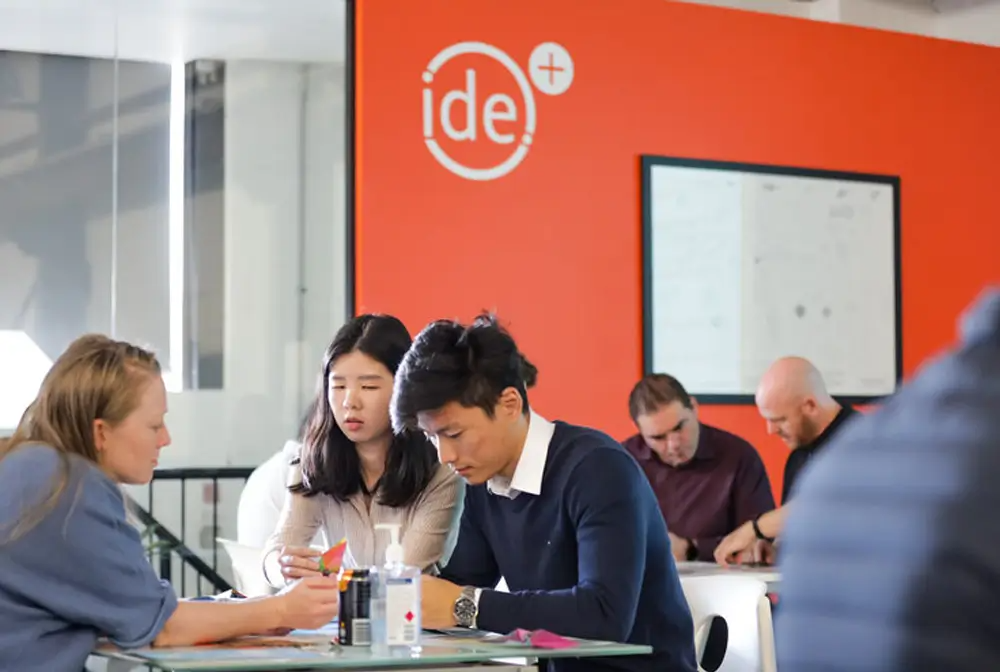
(541, 639)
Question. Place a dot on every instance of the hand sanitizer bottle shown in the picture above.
(396, 603)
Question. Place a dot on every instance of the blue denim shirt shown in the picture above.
(79, 573)
(891, 552)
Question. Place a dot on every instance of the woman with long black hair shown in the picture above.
(355, 473)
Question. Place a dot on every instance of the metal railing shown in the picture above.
(166, 545)
(170, 543)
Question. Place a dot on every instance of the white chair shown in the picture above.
(741, 601)
(248, 570)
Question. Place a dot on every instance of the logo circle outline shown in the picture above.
(530, 112)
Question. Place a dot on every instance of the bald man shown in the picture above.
(794, 402)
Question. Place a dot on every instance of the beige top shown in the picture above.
(428, 527)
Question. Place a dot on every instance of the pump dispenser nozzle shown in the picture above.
(394, 551)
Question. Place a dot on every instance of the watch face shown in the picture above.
(465, 611)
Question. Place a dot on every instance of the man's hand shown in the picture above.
(764, 553)
(437, 602)
(738, 546)
(679, 547)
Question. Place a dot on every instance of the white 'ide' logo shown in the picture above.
(550, 68)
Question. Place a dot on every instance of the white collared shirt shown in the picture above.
(531, 465)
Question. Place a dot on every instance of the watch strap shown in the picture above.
(692, 551)
(756, 530)
(476, 592)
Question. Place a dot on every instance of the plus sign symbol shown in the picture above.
(550, 68)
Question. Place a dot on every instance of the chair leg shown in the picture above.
(765, 626)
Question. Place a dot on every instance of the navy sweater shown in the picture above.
(589, 557)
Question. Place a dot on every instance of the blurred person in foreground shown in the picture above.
(72, 568)
(889, 557)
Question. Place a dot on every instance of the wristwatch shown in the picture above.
(467, 607)
(757, 533)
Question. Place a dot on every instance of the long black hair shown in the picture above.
(330, 463)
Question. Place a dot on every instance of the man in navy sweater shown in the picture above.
(562, 512)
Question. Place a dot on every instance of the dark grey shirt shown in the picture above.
(803, 455)
(891, 553)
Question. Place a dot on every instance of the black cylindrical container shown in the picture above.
(355, 608)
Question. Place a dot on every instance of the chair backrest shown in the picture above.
(248, 568)
(742, 602)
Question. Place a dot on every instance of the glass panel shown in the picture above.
(173, 175)
(230, 235)
(56, 242)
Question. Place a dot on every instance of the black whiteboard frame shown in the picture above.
(650, 161)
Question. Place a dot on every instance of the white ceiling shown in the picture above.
(167, 30)
(313, 30)
(963, 20)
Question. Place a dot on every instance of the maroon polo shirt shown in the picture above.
(723, 486)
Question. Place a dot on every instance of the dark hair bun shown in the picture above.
(529, 372)
(448, 362)
(486, 334)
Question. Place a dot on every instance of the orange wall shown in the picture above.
(554, 246)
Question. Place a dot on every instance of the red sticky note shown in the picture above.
(543, 639)
(329, 562)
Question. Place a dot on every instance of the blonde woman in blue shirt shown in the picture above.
(72, 569)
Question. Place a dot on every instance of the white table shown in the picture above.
(768, 575)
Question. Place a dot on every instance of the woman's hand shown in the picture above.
(297, 562)
(310, 603)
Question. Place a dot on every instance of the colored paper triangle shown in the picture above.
(330, 562)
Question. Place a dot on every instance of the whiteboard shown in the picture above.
(745, 264)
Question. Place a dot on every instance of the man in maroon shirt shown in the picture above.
(708, 481)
